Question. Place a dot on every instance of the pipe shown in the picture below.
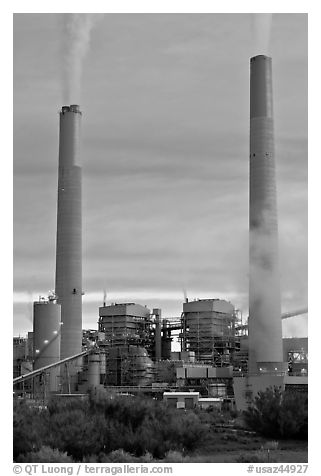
(34, 373)
(158, 336)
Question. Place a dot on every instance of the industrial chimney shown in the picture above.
(69, 230)
(265, 328)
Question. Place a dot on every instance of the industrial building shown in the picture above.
(209, 330)
(68, 288)
(265, 329)
(120, 355)
(126, 323)
(221, 360)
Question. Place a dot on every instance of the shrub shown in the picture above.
(139, 427)
(146, 458)
(45, 455)
(28, 428)
(75, 432)
(278, 414)
(271, 445)
(184, 431)
(263, 414)
(230, 437)
(57, 405)
(174, 457)
(260, 456)
(120, 456)
(293, 418)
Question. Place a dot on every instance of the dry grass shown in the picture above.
(234, 456)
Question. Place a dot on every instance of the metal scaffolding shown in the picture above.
(211, 335)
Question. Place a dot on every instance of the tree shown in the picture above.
(278, 414)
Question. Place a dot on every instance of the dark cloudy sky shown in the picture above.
(165, 101)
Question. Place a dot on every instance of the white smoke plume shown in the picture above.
(77, 29)
(261, 27)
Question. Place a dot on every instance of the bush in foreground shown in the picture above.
(139, 427)
(260, 456)
(45, 455)
(28, 428)
(278, 414)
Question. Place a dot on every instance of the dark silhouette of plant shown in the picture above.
(28, 428)
(278, 414)
(293, 419)
(76, 432)
(81, 429)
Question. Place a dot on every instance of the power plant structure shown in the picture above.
(265, 327)
(69, 232)
(222, 360)
(47, 337)
(209, 330)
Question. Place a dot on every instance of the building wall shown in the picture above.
(289, 346)
(299, 344)
(208, 305)
(124, 309)
(125, 323)
(184, 400)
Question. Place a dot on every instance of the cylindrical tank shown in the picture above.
(69, 232)
(102, 363)
(46, 338)
(93, 370)
(265, 328)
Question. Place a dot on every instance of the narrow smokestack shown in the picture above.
(69, 231)
(265, 328)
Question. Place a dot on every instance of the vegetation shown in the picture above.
(27, 430)
(278, 414)
(101, 427)
(45, 455)
(121, 429)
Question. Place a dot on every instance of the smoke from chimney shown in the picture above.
(261, 27)
(77, 29)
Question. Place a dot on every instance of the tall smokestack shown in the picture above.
(69, 231)
(265, 328)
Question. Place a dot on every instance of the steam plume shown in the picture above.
(76, 36)
(261, 26)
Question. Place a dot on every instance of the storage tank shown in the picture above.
(46, 338)
(93, 370)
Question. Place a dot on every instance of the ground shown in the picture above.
(228, 446)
